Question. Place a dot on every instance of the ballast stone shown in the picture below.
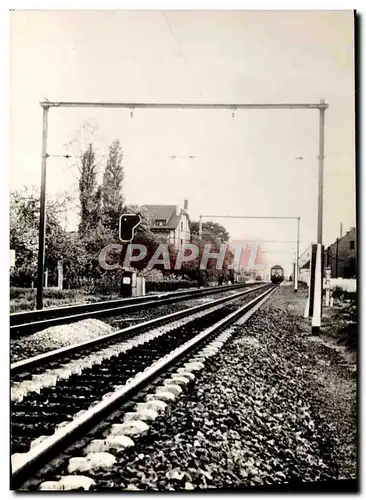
(217, 343)
(95, 446)
(177, 380)
(50, 486)
(194, 366)
(117, 443)
(132, 428)
(45, 380)
(93, 461)
(68, 483)
(210, 351)
(174, 388)
(184, 373)
(153, 404)
(144, 414)
(78, 464)
(163, 395)
(76, 482)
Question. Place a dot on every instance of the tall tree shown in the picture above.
(113, 199)
(211, 231)
(90, 194)
(24, 226)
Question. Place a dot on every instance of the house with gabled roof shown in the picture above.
(170, 222)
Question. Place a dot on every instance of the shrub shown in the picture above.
(51, 293)
(17, 292)
(342, 295)
(30, 293)
(21, 306)
(107, 285)
(152, 275)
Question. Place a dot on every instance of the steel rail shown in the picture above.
(30, 316)
(43, 359)
(46, 450)
(31, 320)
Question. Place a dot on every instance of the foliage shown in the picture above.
(109, 283)
(89, 193)
(24, 228)
(24, 299)
(343, 295)
(112, 196)
(210, 273)
(214, 234)
(211, 231)
(23, 235)
(152, 275)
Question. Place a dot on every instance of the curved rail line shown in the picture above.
(44, 452)
(30, 321)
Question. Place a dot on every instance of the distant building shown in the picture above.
(340, 256)
(170, 223)
(343, 266)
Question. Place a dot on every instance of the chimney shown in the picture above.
(186, 205)
(177, 211)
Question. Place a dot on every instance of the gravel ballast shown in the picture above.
(271, 408)
(58, 336)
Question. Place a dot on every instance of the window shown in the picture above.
(181, 225)
(352, 245)
(181, 242)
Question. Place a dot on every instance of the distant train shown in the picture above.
(277, 274)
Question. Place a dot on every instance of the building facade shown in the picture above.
(341, 256)
(170, 222)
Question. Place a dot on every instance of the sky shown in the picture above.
(244, 163)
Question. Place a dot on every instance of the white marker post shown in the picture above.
(317, 311)
(296, 273)
(307, 306)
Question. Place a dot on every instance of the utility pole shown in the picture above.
(321, 171)
(42, 222)
(296, 274)
(317, 313)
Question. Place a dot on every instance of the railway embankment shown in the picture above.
(274, 409)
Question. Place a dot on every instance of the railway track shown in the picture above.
(28, 322)
(46, 420)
